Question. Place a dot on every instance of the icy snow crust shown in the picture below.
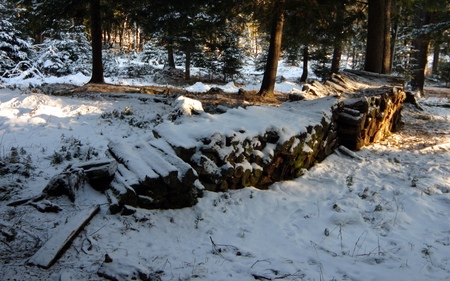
(380, 216)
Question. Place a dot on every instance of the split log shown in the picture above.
(369, 116)
(159, 178)
(99, 173)
(47, 255)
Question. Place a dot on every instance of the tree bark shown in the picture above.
(170, 56)
(96, 32)
(339, 31)
(394, 33)
(305, 64)
(187, 71)
(375, 36)
(336, 61)
(386, 65)
(270, 72)
(436, 54)
(422, 45)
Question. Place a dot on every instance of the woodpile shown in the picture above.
(149, 177)
(363, 108)
(369, 117)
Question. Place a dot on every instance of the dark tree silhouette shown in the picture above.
(378, 37)
(96, 33)
(270, 72)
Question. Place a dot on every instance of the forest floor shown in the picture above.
(390, 221)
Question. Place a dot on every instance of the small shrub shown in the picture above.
(57, 158)
(414, 182)
(349, 181)
(378, 208)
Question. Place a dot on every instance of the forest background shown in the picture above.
(384, 36)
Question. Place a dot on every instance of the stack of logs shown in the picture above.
(367, 107)
(369, 113)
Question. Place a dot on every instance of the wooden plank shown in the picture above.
(55, 246)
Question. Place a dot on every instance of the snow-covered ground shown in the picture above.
(383, 215)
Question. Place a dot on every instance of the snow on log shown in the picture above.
(99, 173)
(159, 178)
(55, 246)
(130, 157)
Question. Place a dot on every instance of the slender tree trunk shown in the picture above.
(375, 36)
(422, 45)
(135, 37)
(270, 72)
(96, 31)
(305, 64)
(187, 71)
(170, 56)
(436, 54)
(337, 48)
(109, 38)
(386, 66)
(394, 34)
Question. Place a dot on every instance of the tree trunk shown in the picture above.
(270, 72)
(337, 48)
(436, 54)
(375, 36)
(386, 66)
(170, 56)
(187, 71)
(96, 31)
(394, 33)
(422, 45)
(305, 64)
(337, 53)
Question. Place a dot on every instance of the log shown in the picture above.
(158, 177)
(47, 255)
(365, 76)
(99, 173)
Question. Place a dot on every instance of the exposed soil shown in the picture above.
(213, 97)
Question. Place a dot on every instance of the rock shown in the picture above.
(184, 106)
(296, 97)
(215, 91)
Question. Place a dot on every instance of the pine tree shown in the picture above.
(66, 52)
(14, 46)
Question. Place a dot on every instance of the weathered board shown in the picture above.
(55, 246)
